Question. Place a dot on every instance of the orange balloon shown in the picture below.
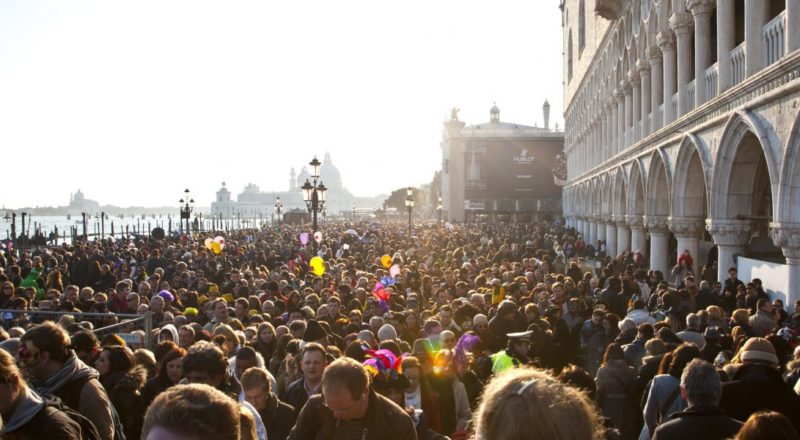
(386, 261)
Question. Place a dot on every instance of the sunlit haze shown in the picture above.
(134, 101)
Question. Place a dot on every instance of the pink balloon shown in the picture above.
(318, 237)
(304, 238)
(394, 271)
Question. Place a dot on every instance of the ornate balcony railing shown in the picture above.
(711, 82)
(737, 64)
(775, 39)
(689, 103)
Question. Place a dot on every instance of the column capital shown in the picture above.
(787, 237)
(635, 222)
(665, 41)
(730, 232)
(653, 55)
(619, 93)
(605, 218)
(681, 23)
(633, 77)
(700, 7)
(619, 220)
(643, 67)
(686, 227)
(657, 224)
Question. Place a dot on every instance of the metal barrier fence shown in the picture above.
(141, 322)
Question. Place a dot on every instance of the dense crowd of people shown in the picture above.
(484, 331)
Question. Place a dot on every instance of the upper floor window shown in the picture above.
(581, 27)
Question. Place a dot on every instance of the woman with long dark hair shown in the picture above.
(169, 374)
(265, 340)
(123, 381)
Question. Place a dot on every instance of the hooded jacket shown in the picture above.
(124, 390)
(33, 419)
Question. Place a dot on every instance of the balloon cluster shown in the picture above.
(216, 244)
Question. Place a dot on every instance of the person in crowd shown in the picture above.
(55, 369)
(123, 381)
(169, 374)
(313, 362)
(756, 384)
(516, 353)
(703, 418)
(349, 408)
(512, 400)
(615, 380)
(664, 397)
(767, 425)
(278, 417)
(192, 412)
(26, 414)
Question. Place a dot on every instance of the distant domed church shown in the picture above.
(252, 202)
(79, 203)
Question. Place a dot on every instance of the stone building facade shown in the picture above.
(682, 128)
(501, 170)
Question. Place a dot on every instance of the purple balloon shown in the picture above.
(304, 238)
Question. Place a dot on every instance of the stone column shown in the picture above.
(638, 234)
(611, 236)
(731, 237)
(601, 229)
(656, 86)
(787, 237)
(613, 113)
(687, 231)
(637, 106)
(666, 42)
(644, 105)
(592, 236)
(628, 91)
(620, 118)
(755, 17)
(623, 234)
(701, 11)
(681, 24)
(726, 26)
(659, 240)
(792, 25)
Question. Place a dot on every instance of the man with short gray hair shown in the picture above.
(703, 418)
(692, 333)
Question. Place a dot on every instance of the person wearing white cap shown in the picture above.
(515, 355)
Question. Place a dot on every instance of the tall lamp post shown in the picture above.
(354, 212)
(314, 193)
(439, 209)
(278, 209)
(13, 218)
(186, 206)
(409, 206)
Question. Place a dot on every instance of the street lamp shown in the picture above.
(354, 212)
(278, 209)
(186, 206)
(13, 218)
(314, 193)
(439, 209)
(409, 206)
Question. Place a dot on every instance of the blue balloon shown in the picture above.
(387, 281)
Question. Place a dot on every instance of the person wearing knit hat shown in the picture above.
(756, 384)
(314, 333)
(387, 333)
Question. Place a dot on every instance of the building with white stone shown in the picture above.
(252, 202)
(500, 170)
(682, 130)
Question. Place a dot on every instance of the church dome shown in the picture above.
(302, 177)
(329, 173)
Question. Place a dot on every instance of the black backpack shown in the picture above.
(88, 430)
(71, 398)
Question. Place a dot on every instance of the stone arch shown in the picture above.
(788, 196)
(635, 194)
(744, 170)
(692, 178)
(619, 193)
(596, 197)
(657, 202)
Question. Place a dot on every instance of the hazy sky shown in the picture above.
(134, 101)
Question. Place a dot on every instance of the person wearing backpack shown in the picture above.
(55, 370)
(25, 413)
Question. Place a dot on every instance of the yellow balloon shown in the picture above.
(386, 261)
(318, 270)
(208, 242)
(215, 248)
(316, 262)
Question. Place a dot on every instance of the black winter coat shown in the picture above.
(124, 390)
(755, 387)
(698, 422)
(278, 418)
